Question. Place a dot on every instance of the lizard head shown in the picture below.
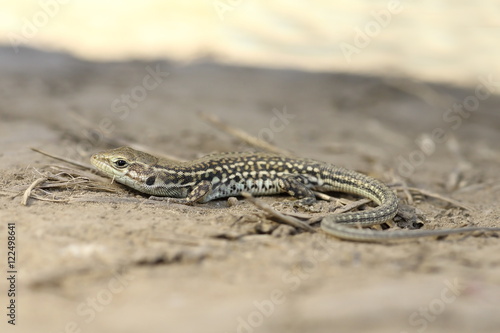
(125, 165)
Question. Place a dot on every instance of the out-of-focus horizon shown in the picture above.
(445, 41)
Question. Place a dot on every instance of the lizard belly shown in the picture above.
(255, 186)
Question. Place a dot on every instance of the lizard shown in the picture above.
(223, 175)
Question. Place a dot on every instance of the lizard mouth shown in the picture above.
(97, 161)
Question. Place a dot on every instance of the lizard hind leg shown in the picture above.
(297, 187)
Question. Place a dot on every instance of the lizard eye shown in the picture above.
(121, 163)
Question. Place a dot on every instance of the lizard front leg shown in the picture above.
(197, 195)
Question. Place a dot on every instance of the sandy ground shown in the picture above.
(85, 266)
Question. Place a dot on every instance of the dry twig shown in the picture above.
(30, 188)
(324, 196)
(281, 217)
(67, 160)
(242, 135)
(115, 141)
(441, 197)
(352, 205)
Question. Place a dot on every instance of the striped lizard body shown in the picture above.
(229, 174)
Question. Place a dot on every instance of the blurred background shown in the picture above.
(440, 41)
